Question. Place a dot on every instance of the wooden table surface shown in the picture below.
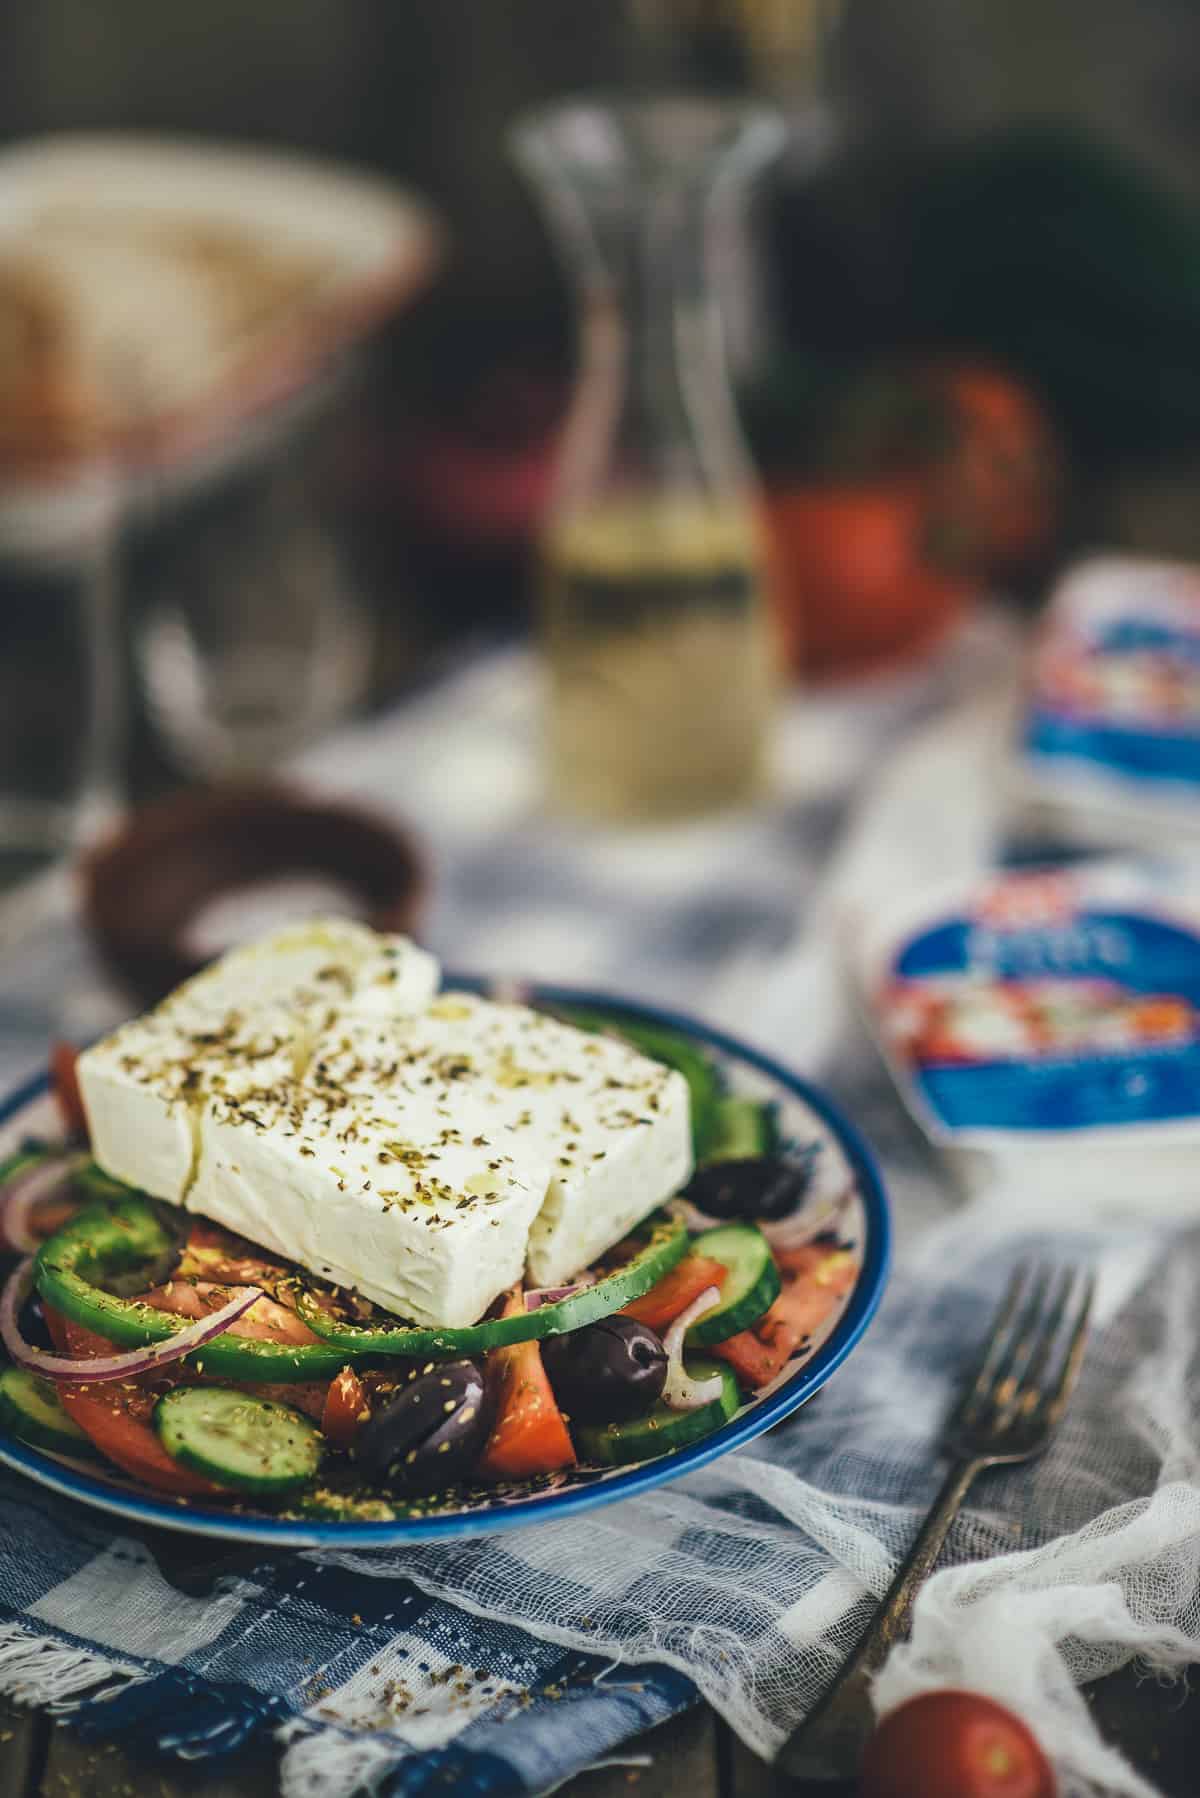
(696, 1755)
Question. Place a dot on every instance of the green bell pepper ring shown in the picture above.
(107, 1239)
(664, 1245)
(93, 1181)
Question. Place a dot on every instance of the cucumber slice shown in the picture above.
(743, 1129)
(238, 1439)
(661, 1430)
(750, 1287)
(30, 1411)
(674, 1050)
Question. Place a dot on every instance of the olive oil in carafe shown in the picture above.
(658, 657)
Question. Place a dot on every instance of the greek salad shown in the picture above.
(480, 1304)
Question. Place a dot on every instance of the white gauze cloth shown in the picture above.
(757, 1575)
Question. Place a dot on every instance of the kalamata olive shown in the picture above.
(767, 1187)
(428, 1433)
(613, 1369)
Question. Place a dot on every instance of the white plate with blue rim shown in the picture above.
(804, 1118)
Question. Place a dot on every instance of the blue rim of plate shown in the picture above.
(296, 1534)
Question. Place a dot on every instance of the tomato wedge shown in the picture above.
(116, 1416)
(345, 1409)
(265, 1321)
(212, 1253)
(676, 1290)
(64, 1078)
(816, 1277)
(119, 1423)
(529, 1435)
(818, 1268)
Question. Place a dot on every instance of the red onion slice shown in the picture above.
(26, 1189)
(808, 1220)
(681, 1392)
(127, 1365)
(552, 1295)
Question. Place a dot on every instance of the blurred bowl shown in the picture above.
(187, 290)
(189, 875)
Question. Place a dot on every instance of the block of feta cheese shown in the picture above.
(427, 1157)
(613, 1127)
(425, 1162)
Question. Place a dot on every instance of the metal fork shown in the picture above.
(1011, 1403)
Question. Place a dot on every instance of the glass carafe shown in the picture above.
(654, 621)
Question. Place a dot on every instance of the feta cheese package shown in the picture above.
(1043, 1028)
(1108, 744)
(314, 1093)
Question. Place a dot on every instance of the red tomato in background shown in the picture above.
(998, 491)
(954, 1745)
(935, 481)
(851, 577)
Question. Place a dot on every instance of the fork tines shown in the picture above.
(1031, 1358)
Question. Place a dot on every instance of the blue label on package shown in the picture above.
(1135, 754)
(1090, 1020)
(1123, 701)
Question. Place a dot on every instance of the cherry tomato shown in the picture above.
(954, 1745)
(65, 1080)
(345, 1409)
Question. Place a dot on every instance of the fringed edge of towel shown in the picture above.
(54, 1675)
(165, 1710)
